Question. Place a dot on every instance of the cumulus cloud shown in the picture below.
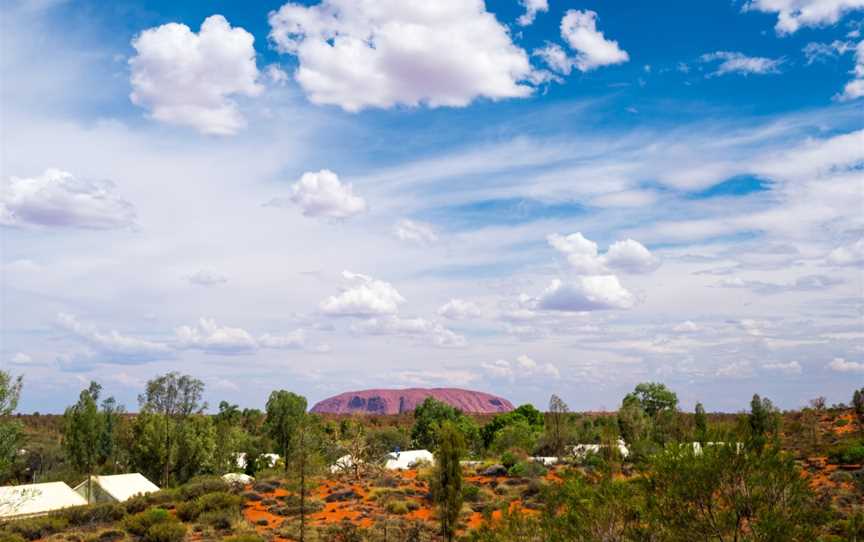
(460, 309)
(210, 337)
(532, 8)
(523, 367)
(189, 79)
(840, 365)
(207, 278)
(852, 254)
(58, 199)
(365, 297)
(628, 255)
(111, 346)
(790, 368)
(809, 283)
(855, 88)
(415, 232)
(735, 62)
(321, 194)
(592, 49)
(358, 55)
(586, 293)
(432, 332)
(794, 14)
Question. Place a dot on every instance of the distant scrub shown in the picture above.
(35, 528)
(850, 453)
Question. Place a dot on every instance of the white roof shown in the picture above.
(407, 459)
(123, 487)
(237, 478)
(32, 499)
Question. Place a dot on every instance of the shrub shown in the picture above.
(471, 493)
(211, 502)
(841, 422)
(140, 523)
(96, 513)
(9, 537)
(219, 519)
(508, 459)
(524, 469)
(397, 507)
(166, 532)
(848, 454)
(111, 535)
(243, 538)
(35, 528)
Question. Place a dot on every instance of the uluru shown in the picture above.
(397, 401)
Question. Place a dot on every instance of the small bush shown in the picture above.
(508, 459)
(841, 422)
(397, 507)
(35, 528)
(848, 454)
(219, 519)
(211, 502)
(140, 523)
(111, 535)
(93, 514)
(9, 537)
(470, 493)
(526, 469)
(201, 486)
(243, 538)
(166, 532)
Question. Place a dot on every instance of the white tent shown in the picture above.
(408, 459)
(240, 459)
(342, 464)
(37, 499)
(237, 479)
(116, 487)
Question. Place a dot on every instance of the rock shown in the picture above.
(340, 496)
(382, 401)
(495, 470)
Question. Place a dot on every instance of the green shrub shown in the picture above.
(111, 535)
(841, 422)
(9, 537)
(527, 469)
(201, 486)
(397, 507)
(35, 528)
(243, 538)
(509, 459)
(210, 502)
(470, 493)
(92, 514)
(847, 454)
(140, 523)
(219, 519)
(172, 531)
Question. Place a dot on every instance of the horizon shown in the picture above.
(326, 197)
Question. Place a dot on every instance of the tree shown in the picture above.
(446, 482)
(285, 411)
(556, 424)
(654, 397)
(700, 421)
(526, 413)
(519, 435)
(764, 420)
(173, 398)
(304, 454)
(111, 419)
(356, 445)
(10, 431)
(82, 433)
(858, 406)
(634, 426)
(431, 414)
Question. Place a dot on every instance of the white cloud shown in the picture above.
(820, 52)
(855, 88)
(808, 283)
(394, 52)
(207, 278)
(188, 79)
(794, 14)
(593, 50)
(20, 358)
(687, 326)
(852, 254)
(791, 368)
(276, 74)
(460, 309)
(735, 369)
(523, 367)
(366, 297)
(57, 199)
(321, 194)
(295, 339)
(112, 347)
(556, 58)
(735, 62)
(589, 293)
(210, 337)
(532, 8)
(433, 332)
(415, 232)
(842, 366)
(628, 255)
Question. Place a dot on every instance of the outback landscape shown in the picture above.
(648, 472)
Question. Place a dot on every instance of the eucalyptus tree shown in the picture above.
(10, 431)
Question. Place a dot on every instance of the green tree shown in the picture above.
(519, 435)
(431, 414)
(111, 414)
(858, 407)
(10, 431)
(305, 457)
(557, 426)
(285, 411)
(196, 446)
(700, 421)
(654, 397)
(525, 413)
(763, 420)
(173, 398)
(446, 482)
(635, 426)
(82, 433)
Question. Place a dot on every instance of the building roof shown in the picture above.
(122, 487)
(406, 459)
(34, 499)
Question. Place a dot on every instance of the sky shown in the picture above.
(523, 197)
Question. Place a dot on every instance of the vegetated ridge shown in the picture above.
(397, 401)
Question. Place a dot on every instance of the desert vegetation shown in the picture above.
(648, 472)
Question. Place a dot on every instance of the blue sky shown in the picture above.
(335, 195)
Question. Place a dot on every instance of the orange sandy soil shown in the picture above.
(364, 511)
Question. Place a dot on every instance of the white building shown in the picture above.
(37, 499)
(583, 450)
(408, 459)
(116, 487)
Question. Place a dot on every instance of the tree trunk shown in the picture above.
(302, 497)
